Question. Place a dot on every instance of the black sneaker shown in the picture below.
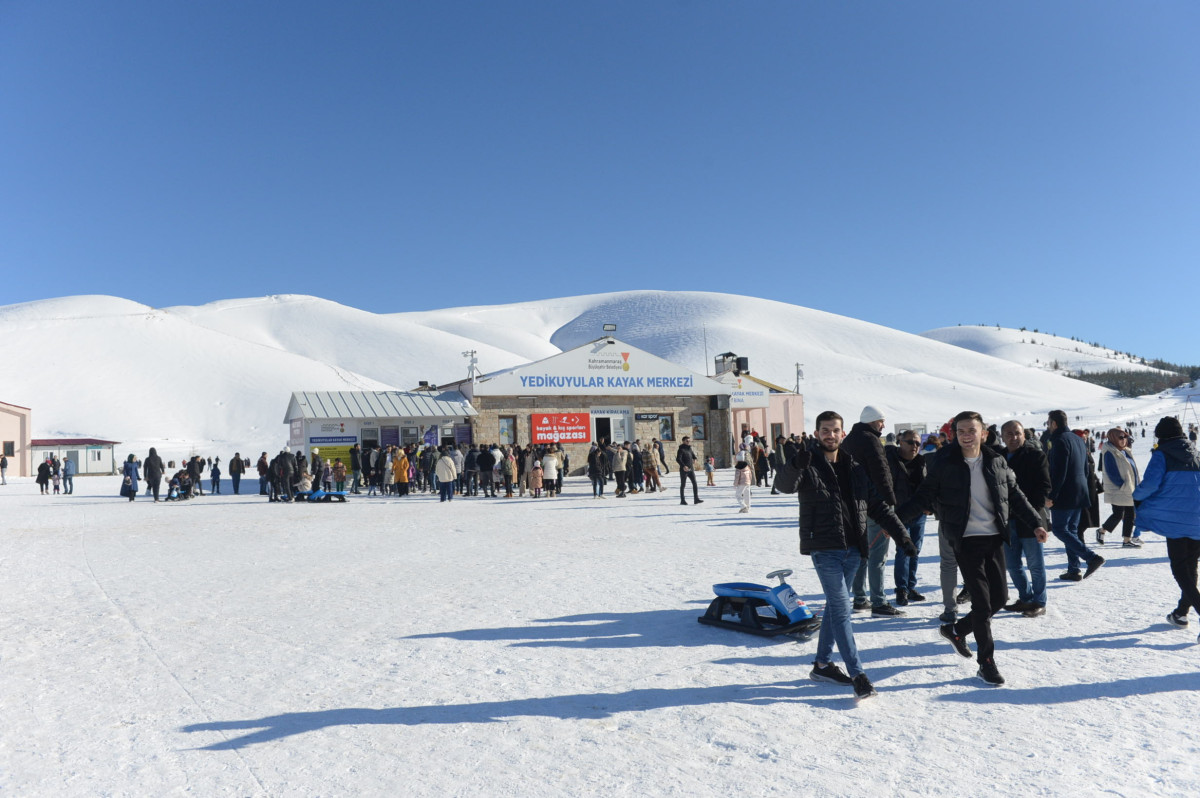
(1070, 576)
(886, 609)
(683, 502)
(915, 596)
(990, 673)
(1093, 566)
(829, 673)
(1017, 606)
(861, 604)
(698, 501)
(1177, 620)
(948, 616)
(963, 597)
(960, 645)
(1034, 611)
(1131, 543)
(901, 598)
(863, 687)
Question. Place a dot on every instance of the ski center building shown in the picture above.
(756, 405)
(333, 421)
(604, 390)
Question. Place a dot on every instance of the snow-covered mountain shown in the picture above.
(1040, 350)
(219, 376)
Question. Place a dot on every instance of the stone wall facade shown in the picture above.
(486, 426)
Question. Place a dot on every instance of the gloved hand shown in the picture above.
(802, 459)
(908, 546)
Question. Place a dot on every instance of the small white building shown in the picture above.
(333, 421)
(90, 455)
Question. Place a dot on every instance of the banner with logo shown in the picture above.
(561, 427)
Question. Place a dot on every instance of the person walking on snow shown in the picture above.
(1168, 502)
(973, 491)
(686, 459)
(1066, 455)
(836, 499)
(741, 485)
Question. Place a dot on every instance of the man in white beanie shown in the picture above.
(864, 445)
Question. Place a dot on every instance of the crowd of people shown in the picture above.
(998, 495)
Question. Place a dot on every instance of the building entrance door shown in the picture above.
(603, 429)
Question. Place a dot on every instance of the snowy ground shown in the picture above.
(227, 646)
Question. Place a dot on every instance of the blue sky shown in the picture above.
(915, 164)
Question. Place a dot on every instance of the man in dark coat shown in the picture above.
(264, 474)
(355, 468)
(864, 445)
(1029, 466)
(973, 490)
(195, 470)
(287, 474)
(836, 500)
(1067, 458)
(907, 465)
(237, 467)
(686, 458)
(485, 461)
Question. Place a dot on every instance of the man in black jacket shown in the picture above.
(686, 459)
(864, 445)
(973, 489)
(907, 465)
(485, 461)
(355, 468)
(836, 499)
(1028, 464)
(1066, 454)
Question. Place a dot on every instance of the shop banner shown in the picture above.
(561, 428)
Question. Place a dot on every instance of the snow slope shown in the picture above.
(218, 376)
(1042, 350)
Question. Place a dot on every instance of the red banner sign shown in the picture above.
(561, 428)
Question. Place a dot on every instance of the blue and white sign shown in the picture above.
(600, 368)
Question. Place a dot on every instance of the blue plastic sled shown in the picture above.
(322, 495)
(761, 610)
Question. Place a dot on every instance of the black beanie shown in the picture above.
(1168, 427)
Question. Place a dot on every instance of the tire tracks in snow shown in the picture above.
(141, 633)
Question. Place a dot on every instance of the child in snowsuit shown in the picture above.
(710, 463)
(535, 479)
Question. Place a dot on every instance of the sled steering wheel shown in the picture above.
(781, 574)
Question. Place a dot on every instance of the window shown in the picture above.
(10, 449)
(95, 455)
(698, 426)
(776, 433)
(410, 436)
(666, 427)
(508, 430)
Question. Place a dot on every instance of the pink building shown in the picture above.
(756, 405)
(15, 426)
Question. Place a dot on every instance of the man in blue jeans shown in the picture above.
(908, 472)
(1027, 461)
(1066, 454)
(836, 499)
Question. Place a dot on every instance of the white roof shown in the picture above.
(377, 404)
